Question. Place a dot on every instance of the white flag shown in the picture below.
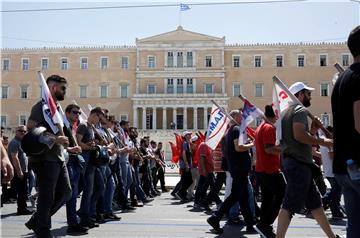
(249, 113)
(218, 125)
(282, 99)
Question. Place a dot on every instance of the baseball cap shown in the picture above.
(186, 133)
(298, 86)
(194, 138)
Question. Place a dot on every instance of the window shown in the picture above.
(236, 90)
(4, 91)
(279, 61)
(259, 89)
(151, 89)
(301, 60)
(124, 91)
(325, 119)
(189, 59)
(104, 91)
(83, 63)
(24, 91)
(208, 61)
(170, 59)
(104, 62)
(44, 64)
(324, 89)
(22, 119)
(83, 91)
(236, 61)
(25, 64)
(6, 64)
(123, 117)
(170, 86)
(3, 121)
(151, 61)
(64, 65)
(180, 59)
(345, 58)
(189, 85)
(179, 86)
(209, 88)
(323, 62)
(257, 60)
(124, 62)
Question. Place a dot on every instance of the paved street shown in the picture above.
(164, 217)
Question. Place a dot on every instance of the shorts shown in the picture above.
(301, 190)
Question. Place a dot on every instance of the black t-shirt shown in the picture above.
(239, 163)
(86, 131)
(346, 139)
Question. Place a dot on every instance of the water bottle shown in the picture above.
(353, 170)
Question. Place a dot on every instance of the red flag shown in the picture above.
(251, 132)
(175, 153)
(201, 136)
(179, 142)
(196, 155)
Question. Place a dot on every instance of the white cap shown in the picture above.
(186, 133)
(194, 138)
(298, 86)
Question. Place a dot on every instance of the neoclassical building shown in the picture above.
(169, 79)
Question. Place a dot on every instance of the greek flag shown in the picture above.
(184, 7)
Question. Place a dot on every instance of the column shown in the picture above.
(195, 118)
(164, 118)
(135, 118)
(174, 116)
(154, 118)
(205, 118)
(185, 118)
(144, 118)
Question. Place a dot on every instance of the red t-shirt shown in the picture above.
(205, 150)
(266, 163)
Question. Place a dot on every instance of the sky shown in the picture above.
(242, 23)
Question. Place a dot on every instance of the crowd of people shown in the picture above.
(103, 160)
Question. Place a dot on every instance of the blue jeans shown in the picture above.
(109, 190)
(234, 210)
(351, 190)
(140, 194)
(126, 176)
(333, 196)
(97, 198)
(75, 172)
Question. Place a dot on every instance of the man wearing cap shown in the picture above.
(185, 166)
(296, 150)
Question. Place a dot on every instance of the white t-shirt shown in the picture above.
(327, 162)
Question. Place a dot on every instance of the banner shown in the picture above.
(249, 114)
(218, 125)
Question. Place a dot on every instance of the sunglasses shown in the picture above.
(22, 131)
(76, 112)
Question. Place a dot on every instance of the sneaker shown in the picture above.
(250, 230)
(265, 232)
(111, 217)
(147, 200)
(196, 206)
(236, 222)
(24, 212)
(31, 224)
(182, 198)
(77, 229)
(128, 208)
(205, 207)
(89, 224)
(32, 200)
(214, 222)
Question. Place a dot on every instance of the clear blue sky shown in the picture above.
(309, 21)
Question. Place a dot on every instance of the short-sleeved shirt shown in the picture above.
(87, 133)
(346, 139)
(56, 152)
(265, 134)
(289, 146)
(15, 147)
(186, 148)
(205, 151)
(239, 163)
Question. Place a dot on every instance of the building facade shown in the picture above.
(169, 80)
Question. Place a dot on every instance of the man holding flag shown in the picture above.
(49, 166)
(296, 149)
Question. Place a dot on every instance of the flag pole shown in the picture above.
(339, 68)
(312, 117)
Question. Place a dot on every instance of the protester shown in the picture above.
(271, 179)
(345, 103)
(239, 165)
(49, 166)
(7, 170)
(19, 161)
(297, 163)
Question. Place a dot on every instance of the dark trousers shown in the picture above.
(204, 183)
(54, 190)
(213, 195)
(186, 181)
(239, 193)
(333, 197)
(272, 193)
(161, 177)
(21, 186)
